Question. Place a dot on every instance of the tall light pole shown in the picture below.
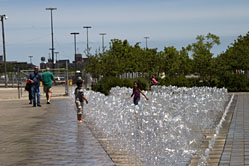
(75, 33)
(87, 47)
(56, 58)
(52, 34)
(2, 17)
(103, 44)
(146, 38)
(30, 58)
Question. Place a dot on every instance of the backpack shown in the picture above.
(28, 85)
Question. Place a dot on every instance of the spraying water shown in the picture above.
(165, 130)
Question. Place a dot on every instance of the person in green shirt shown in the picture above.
(47, 80)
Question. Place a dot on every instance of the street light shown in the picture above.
(146, 38)
(52, 34)
(30, 58)
(87, 47)
(103, 46)
(56, 58)
(2, 17)
(75, 33)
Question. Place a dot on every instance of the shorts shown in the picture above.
(79, 106)
(47, 89)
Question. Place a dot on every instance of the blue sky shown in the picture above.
(166, 22)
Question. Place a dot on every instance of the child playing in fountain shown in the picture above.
(136, 93)
(79, 97)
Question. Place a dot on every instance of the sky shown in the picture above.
(166, 22)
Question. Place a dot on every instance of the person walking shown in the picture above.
(136, 93)
(47, 80)
(35, 78)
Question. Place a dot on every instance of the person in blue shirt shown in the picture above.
(35, 78)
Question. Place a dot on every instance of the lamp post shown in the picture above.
(56, 58)
(87, 47)
(52, 34)
(2, 17)
(30, 58)
(146, 38)
(103, 46)
(75, 33)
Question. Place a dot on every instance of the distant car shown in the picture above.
(60, 80)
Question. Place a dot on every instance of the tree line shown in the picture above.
(225, 70)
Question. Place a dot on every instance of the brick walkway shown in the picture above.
(236, 149)
(47, 136)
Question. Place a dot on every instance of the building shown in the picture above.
(77, 64)
(78, 58)
(14, 66)
(78, 61)
(62, 63)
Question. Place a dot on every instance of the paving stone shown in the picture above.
(47, 136)
(236, 141)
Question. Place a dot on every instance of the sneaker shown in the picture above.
(30, 102)
(39, 105)
(34, 105)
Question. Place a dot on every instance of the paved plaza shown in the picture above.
(13, 93)
(50, 135)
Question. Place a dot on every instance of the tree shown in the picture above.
(236, 56)
(171, 57)
(93, 66)
(202, 56)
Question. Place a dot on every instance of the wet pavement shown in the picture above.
(47, 135)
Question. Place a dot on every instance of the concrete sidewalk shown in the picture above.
(12, 93)
(49, 135)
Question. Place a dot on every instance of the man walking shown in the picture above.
(47, 78)
(35, 78)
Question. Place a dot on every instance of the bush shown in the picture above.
(105, 84)
(234, 82)
(180, 81)
(127, 83)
